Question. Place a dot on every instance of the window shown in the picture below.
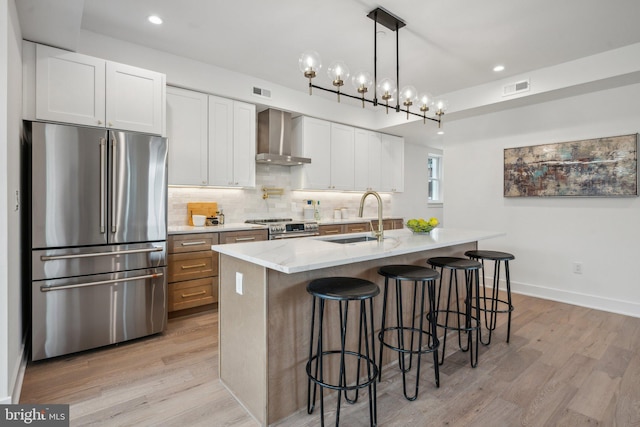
(434, 164)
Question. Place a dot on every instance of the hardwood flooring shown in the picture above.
(565, 366)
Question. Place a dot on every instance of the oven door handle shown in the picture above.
(293, 236)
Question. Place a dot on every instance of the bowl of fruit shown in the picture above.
(422, 226)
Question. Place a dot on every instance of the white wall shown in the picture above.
(11, 330)
(548, 234)
(412, 203)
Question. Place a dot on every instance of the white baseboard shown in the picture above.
(612, 305)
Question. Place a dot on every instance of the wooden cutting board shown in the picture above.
(207, 209)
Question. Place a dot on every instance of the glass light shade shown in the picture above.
(338, 70)
(425, 99)
(362, 79)
(309, 61)
(387, 87)
(409, 94)
(440, 106)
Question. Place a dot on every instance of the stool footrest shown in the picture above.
(370, 379)
(428, 349)
(458, 328)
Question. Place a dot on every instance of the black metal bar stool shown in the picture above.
(427, 339)
(497, 305)
(470, 324)
(343, 290)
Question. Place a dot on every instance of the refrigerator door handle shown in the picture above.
(45, 288)
(89, 255)
(114, 183)
(103, 183)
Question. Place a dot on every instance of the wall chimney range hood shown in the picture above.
(274, 139)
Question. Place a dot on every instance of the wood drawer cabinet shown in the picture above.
(243, 236)
(327, 230)
(360, 227)
(193, 270)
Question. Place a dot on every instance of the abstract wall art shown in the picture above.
(600, 167)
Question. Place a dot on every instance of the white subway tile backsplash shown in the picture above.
(242, 204)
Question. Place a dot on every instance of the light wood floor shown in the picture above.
(565, 366)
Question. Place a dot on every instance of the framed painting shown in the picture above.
(600, 167)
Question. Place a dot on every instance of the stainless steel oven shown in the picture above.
(287, 228)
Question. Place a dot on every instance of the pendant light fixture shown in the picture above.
(387, 89)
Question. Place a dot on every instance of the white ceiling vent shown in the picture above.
(517, 87)
(265, 93)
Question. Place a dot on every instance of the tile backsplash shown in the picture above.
(242, 204)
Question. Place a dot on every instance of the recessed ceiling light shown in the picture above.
(154, 19)
(440, 132)
(498, 68)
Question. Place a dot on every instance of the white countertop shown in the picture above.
(234, 226)
(312, 253)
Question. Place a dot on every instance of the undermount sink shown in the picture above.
(344, 240)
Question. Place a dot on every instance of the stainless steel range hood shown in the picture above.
(274, 139)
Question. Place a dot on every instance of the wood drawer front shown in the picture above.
(179, 243)
(243, 236)
(327, 230)
(193, 265)
(357, 228)
(192, 293)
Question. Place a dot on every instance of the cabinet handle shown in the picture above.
(331, 231)
(355, 230)
(244, 239)
(193, 294)
(192, 243)
(186, 267)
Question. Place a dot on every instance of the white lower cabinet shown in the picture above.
(212, 140)
(69, 87)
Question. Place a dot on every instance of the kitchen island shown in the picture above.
(265, 311)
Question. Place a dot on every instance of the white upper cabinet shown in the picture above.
(342, 157)
(70, 87)
(392, 163)
(367, 165)
(134, 98)
(80, 89)
(187, 128)
(346, 158)
(232, 143)
(312, 138)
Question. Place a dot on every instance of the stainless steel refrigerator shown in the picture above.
(97, 227)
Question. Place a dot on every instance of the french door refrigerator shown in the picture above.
(97, 227)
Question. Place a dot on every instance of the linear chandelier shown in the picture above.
(310, 64)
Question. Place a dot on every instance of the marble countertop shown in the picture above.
(234, 226)
(352, 220)
(312, 253)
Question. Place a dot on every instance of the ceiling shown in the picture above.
(446, 45)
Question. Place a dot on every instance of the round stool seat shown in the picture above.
(492, 255)
(455, 263)
(408, 272)
(342, 288)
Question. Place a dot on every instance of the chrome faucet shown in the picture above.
(380, 233)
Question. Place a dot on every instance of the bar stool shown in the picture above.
(343, 290)
(495, 301)
(427, 277)
(471, 323)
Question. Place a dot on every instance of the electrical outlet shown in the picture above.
(577, 267)
(238, 283)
